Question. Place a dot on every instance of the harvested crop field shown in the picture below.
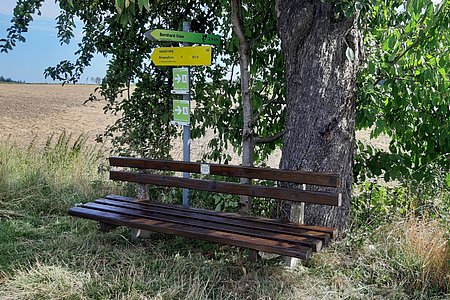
(34, 111)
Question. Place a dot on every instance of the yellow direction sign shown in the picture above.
(182, 56)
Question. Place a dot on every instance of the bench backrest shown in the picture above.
(281, 193)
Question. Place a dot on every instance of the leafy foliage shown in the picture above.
(403, 91)
(117, 30)
(23, 15)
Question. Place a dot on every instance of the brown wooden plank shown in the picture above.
(219, 223)
(282, 225)
(282, 248)
(295, 176)
(199, 215)
(287, 194)
(135, 211)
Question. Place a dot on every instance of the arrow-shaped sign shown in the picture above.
(182, 37)
(181, 111)
(180, 81)
(182, 56)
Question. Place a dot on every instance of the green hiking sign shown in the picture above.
(182, 37)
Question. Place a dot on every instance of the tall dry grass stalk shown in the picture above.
(50, 178)
(424, 248)
(44, 282)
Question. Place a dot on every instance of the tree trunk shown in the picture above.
(322, 56)
(248, 144)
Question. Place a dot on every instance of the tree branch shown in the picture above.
(268, 139)
(236, 17)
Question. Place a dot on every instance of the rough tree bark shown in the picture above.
(248, 143)
(320, 113)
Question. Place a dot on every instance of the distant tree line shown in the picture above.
(3, 79)
(96, 80)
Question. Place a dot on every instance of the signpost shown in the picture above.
(187, 127)
(182, 37)
(180, 81)
(181, 112)
(182, 56)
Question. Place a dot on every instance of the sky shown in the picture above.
(27, 61)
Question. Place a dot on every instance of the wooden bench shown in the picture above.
(257, 233)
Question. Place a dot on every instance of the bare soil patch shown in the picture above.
(34, 111)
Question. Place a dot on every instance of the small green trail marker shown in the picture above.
(182, 37)
(180, 81)
(181, 112)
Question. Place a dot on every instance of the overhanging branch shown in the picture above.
(269, 139)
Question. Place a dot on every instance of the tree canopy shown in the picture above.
(402, 89)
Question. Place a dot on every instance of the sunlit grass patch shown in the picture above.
(44, 282)
(421, 249)
(49, 180)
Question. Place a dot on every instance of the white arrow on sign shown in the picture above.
(178, 78)
(178, 110)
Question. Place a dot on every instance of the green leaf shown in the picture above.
(146, 4)
(140, 5)
(120, 5)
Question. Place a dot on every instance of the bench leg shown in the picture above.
(253, 255)
(291, 262)
(105, 227)
(297, 215)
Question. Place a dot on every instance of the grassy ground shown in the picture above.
(45, 254)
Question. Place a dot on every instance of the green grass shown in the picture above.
(45, 254)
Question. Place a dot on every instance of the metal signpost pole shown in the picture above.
(187, 127)
(177, 57)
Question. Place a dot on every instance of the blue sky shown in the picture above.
(27, 61)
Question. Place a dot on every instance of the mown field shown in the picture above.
(397, 247)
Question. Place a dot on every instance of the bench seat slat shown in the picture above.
(287, 194)
(199, 214)
(295, 176)
(240, 240)
(195, 221)
(287, 227)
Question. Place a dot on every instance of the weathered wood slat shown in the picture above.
(215, 222)
(332, 232)
(294, 176)
(257, 243)
(135, 211)
(238, 220)
(287, 194)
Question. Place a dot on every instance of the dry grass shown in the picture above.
(401, 260)
(44, 282)
(424, 245)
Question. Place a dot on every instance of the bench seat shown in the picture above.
(227, 228)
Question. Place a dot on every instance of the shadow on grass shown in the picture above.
(166, 267)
